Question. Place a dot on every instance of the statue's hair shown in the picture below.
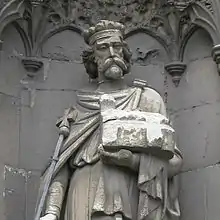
(91, 66)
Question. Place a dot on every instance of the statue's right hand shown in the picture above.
(49, 217)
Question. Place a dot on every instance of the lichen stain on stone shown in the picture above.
(13, 170)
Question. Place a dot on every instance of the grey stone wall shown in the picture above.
(194, 108)
(29, 109)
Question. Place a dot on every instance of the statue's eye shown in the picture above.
(117, 46)
(102, 47)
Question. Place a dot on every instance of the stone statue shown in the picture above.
(120, 159)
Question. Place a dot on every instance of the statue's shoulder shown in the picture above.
(147, 90)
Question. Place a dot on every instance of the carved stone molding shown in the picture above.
(154, 15)
(202, 17)
(216, 56)
(10, 10)
(32, 65)
(216, 13)
(181, 5)
(176, 70)
(169, 21)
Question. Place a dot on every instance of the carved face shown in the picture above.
(108, 54)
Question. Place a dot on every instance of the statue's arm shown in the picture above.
(135, 162)
(57, 192)
(175, 164)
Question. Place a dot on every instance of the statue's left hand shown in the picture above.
(121, 158)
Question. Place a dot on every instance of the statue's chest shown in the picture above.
(149, 104)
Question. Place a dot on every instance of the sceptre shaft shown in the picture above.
(64, 126)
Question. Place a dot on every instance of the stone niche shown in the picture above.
(194, 107)
(149, 57)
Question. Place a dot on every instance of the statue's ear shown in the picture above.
(127, 51)
(86, 36)
(92, 70)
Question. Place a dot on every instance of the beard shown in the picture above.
(113, 68)
(113, 72)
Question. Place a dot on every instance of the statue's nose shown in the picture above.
(112, 52)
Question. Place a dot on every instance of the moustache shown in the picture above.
(115, 60)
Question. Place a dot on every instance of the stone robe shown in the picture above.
(98, 191)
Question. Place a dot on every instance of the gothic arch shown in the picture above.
(24, 37)
(187, 37)
(203, 18)
(57, 30)
(198, 46)
(11, 11)
(150, 33)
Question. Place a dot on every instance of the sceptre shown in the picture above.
(64, 126)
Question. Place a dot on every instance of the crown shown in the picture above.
(104, 34)
(103, 29)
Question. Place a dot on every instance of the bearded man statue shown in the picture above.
(120, 160)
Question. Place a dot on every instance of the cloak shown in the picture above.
(158, 194)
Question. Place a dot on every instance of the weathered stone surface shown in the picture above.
(199, 193)
(37, 142)
(64, 46)
(65, 70)
(9, 129)
(146, 65)
(199, 139)
(198, 46)
(20, 193)
(32, 187)
(11, 74)
(194, 105)
(198, 86)
(2, 189)
(15, 193)
(137, 131)
(63, 76)
(11, 68)
(13, 44)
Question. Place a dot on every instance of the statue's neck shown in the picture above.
(111, 85)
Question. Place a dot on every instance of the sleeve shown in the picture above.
(163, 110)
(176, 162)
(57, 192)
